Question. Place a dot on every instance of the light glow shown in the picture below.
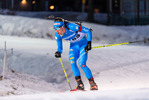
(33, 2)
(52, 7)
(23, 2)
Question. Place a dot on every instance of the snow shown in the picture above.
(42, 28)
(114, 95)
(121, 72)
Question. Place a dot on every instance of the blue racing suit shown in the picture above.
(76, 35)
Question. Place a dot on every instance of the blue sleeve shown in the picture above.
(59, 43)
(88, 32)
(75, 28)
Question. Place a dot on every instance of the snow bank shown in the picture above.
(16, 83)
(26, 27)
(42, 28)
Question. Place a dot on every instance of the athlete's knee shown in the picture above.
(82, 65)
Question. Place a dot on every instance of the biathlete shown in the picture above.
(79, 47)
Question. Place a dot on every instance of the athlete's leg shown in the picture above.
(82, 62)
(73, 56)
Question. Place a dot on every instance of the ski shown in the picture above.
(73, 90)
(76, 90)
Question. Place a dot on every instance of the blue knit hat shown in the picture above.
(58, 24)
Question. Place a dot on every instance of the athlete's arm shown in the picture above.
(89, 38)
(88, 32)
(59, 43)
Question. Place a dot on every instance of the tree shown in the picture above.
(90, 11)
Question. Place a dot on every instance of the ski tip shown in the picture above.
(73, 90)
(60, 91)
(76, 90)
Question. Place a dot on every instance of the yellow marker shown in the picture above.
(111, 45)
(72, 62)
(71, 58)
(65, 73)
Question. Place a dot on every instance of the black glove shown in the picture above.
(88, 47)
(57, 54)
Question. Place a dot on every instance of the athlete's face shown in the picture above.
(61, 30)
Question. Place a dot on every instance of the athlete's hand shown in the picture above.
(57, 54)
(88, 47)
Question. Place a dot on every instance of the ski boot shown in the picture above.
(93, 84)
(80, 83)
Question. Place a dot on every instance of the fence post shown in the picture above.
(4, 63)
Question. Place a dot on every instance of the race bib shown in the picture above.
(78, 37)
